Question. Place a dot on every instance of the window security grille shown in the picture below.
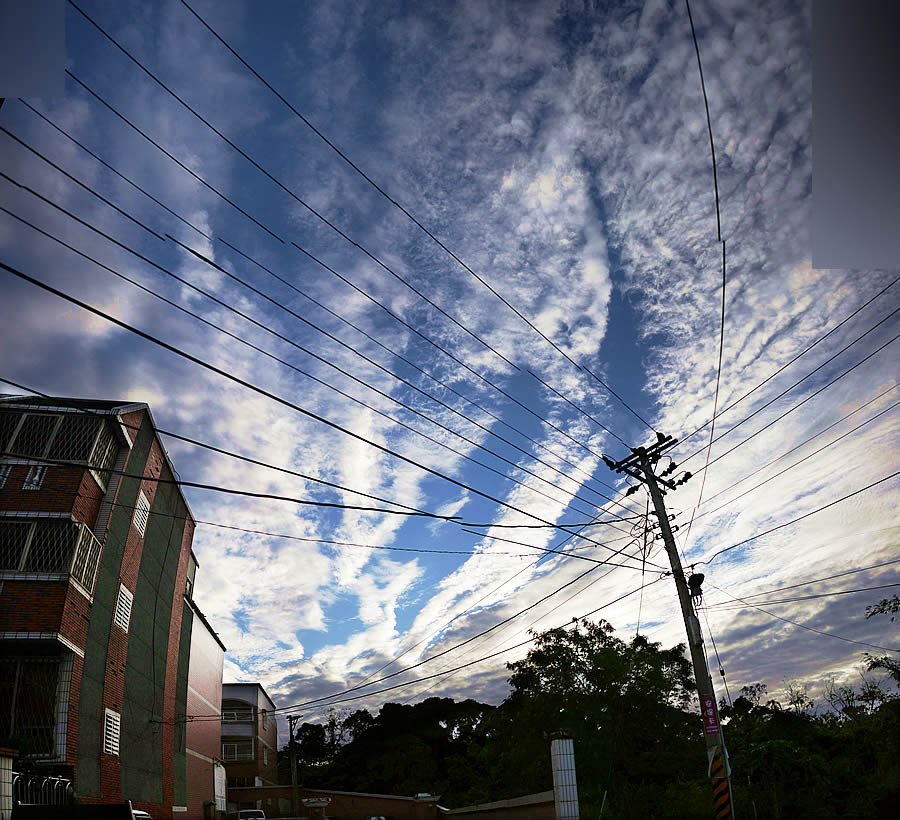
(49, 546)
(265, 756)
(34, 477)
(239, 714)
(237, 750)
(141, 513)
(112, 724)
(5, 470)
(28, 692)
(123, 608)
(74, 437)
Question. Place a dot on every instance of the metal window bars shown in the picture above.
(239, 715)
(48, 545)
(31, 689)
(237, 750)
(73, 437)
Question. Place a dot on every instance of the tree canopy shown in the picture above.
(630, 708)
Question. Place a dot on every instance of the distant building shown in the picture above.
(205, 773)
(249, 737)
(96, 660)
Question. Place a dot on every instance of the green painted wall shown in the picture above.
(184, 659)
(90, 722)
(145, 669)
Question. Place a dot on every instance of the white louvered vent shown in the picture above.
(141, 513)
(123, 608)
(111, 727)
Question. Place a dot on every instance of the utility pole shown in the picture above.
(295, 792)
(640, 465)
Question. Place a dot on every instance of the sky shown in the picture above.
(560, 152)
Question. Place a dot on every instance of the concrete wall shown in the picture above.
(204, 698)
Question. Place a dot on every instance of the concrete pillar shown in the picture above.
(565, 788)
(7, 756)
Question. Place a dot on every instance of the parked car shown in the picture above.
(251, 814)
(139, 814)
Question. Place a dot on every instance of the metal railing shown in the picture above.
(41, 790)
(240, 750)
(55, 546)
(247, 715)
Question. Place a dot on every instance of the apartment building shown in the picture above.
(249, 738)
(95, 624)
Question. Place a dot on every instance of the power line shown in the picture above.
(727, 606)
(78, 182)
(792, 360)
(318, 304)
(795, 520)
(826, 578)
(805, 626)
(416, 222)
(171, 156)
(291, 342)
(233, 491)
(470, 608)
(303, 250)
(803, 443)
(523, 544)
(393, 375)
(810, 455)
(268, 394)
(296, 197)
(239, 456)
(806, 399)
(437, 674)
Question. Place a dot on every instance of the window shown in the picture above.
(238, 749)
(31, 690)
(35, 477)
(5, 470)
(31, 437)
(57, 546)
(265, 756)
(123, 608)
(265, 719)
(141, 513)
(112, 722)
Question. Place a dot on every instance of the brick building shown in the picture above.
(249, 738)
(95, 624)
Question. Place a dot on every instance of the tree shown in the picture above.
(624, 703)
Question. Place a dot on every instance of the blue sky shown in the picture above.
(561, 151)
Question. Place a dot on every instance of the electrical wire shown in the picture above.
(240, 457)
(805, 399)
(416, 221)
(801, 444)
(826, 578)
(233, 491)
(268, 394)
(289, 341)
(805, 626)
(808, 456)
(799, 355)
(319, 304)
(722, 551)
(724, 607)
(359, 695)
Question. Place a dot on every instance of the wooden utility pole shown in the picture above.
(640, 465)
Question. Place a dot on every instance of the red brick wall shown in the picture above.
(32, 606)
(58, 492)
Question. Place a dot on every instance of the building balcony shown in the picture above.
(48, 549)
(238, 751)
(242, 715)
